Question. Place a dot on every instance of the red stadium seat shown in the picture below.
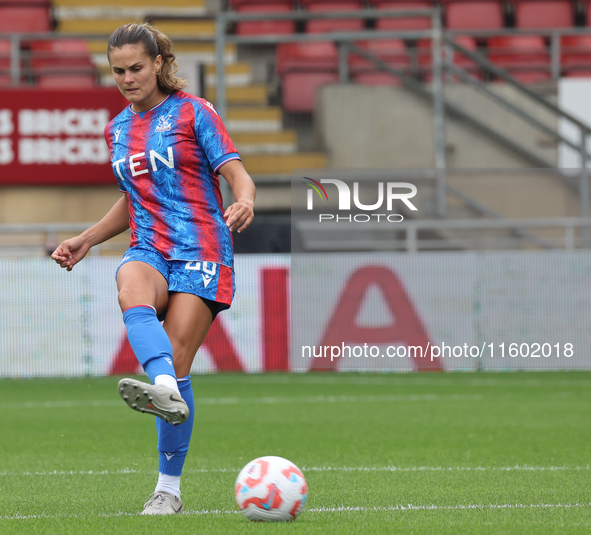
(303, 68)
(544, 14)
(62, 62)
(575, 55)
(525, 57)
(24, 19)
(484, 14)
(404, 23)
(262, 27)
(299, 89)
(301, 57)
(334, 25)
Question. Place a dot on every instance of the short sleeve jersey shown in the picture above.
(166, 159)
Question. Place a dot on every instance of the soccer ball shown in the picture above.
(271, 489)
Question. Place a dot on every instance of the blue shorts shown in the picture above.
(211, 281)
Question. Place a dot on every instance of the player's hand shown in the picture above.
(239, 215)
(70, 252)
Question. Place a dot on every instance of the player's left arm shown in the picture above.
(241, 213)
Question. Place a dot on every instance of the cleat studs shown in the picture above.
(125, 398)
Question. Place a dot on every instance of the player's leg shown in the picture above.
(187, 321)
(143, 291)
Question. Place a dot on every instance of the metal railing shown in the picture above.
(46, 235)
(311, 234)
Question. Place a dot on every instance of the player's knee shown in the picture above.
(128, 298)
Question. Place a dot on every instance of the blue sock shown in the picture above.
(149, 341)
(173, 441)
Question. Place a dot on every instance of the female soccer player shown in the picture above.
(167, 148)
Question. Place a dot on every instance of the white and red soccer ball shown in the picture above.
(271, 489)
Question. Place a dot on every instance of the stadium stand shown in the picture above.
(270, 95)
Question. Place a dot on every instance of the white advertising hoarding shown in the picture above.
(521, 310)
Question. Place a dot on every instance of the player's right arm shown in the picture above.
(71, 251)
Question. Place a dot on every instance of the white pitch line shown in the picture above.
(394, 379)
(411, 507)
(339, 509)
(517, 468)
(271, 400)
(125, 471)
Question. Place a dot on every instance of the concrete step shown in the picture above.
(284, 142)
(283, 164)
(237, 74)
(254, 119)
(133, 9)
(251, 94)
(185, 28)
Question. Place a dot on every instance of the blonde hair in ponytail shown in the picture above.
(155, 43)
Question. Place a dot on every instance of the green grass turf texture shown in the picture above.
(471, 452)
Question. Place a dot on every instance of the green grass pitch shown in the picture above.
(382, 453)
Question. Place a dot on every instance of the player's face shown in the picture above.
(135, 74)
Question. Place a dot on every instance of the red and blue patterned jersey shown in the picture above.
(166, 160)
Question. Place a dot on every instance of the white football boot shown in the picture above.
(160, 400)
(162, 503)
